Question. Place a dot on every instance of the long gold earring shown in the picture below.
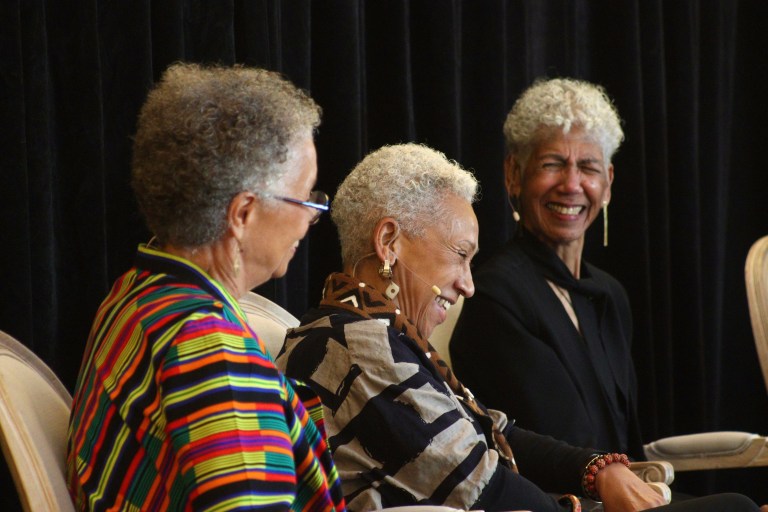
(605, 223)
(236, 262)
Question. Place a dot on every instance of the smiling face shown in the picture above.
(441, 257)
(278, 227)
(562, 187)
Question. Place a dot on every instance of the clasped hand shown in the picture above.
(622, 491)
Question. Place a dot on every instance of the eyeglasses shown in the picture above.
(318, 200)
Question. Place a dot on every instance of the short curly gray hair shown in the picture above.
(564, 103)
(206, 134)
(405, 181)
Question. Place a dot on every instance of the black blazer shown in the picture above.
(517, 350)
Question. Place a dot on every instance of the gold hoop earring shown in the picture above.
(605, 223)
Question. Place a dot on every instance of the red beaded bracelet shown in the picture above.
(594, 466)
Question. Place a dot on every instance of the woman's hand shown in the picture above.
(622, 491)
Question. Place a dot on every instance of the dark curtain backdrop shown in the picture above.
(689, 79)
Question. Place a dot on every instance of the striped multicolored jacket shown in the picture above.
(179, 407)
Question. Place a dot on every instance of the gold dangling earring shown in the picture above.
(605, 223)
(236, 263)
(515, 213)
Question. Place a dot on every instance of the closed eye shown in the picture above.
(590, 170)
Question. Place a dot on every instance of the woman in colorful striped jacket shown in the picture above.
(177, 405)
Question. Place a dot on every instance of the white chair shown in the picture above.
(269, 320)
(756, 277)
(34, 414)
(713, 450)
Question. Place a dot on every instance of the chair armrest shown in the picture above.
(710, 450)
(662, 489)
(657, 471)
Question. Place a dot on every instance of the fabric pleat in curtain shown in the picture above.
(688, 199)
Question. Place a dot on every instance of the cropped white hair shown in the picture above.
(408, 182)
(564, 103)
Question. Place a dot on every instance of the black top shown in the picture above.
(518, 351)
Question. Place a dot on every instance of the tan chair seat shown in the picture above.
(268, 320)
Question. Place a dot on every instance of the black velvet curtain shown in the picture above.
(689, 197)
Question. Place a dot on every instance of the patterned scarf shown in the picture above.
(345, 292)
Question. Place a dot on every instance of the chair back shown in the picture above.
(756, 275)
(269, 320)
(441, 336)
(34, 415)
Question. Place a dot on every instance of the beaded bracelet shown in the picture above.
(594, 466)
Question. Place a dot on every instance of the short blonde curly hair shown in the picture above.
(206, 134)
(564, 103)
(408, 182)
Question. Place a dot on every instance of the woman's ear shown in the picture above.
(512, 175)
(385, 238)
(607, 192)
(241, 213)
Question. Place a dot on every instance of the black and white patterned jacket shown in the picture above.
(401, 437)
